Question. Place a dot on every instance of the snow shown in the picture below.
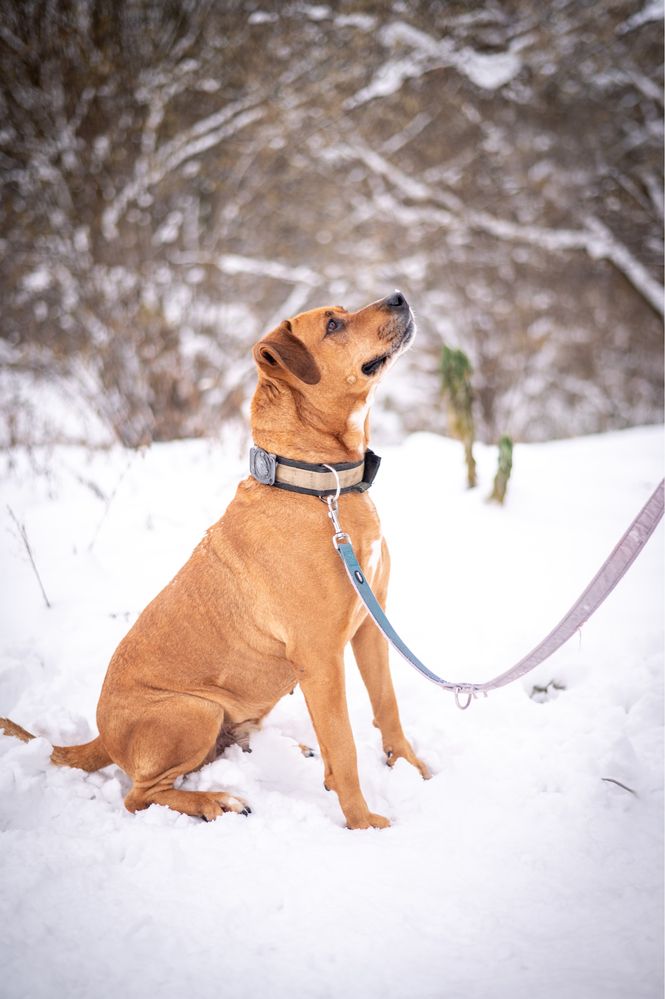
(234, 263)
(37, 280)
(651, 11)
(521, 869)
(262, 17)
(41, 408)
(489, 71)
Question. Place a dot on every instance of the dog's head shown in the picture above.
(328, 353)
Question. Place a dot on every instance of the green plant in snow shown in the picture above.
(503, 471)
(456, 374)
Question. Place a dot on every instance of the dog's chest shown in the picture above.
(370, 552)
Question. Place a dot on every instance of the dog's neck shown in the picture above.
(285, 423)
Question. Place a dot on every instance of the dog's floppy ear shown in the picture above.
(281, 350)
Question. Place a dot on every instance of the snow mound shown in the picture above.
(530, 865)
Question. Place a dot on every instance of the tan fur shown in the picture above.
(263, 603)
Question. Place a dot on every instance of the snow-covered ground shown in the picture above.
(520, 870)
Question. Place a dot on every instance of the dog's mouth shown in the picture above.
(371, 367)
(398, 344)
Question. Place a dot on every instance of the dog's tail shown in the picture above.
(90, 756)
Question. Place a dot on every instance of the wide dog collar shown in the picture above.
(313, 480)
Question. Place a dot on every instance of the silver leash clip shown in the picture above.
(333, 512)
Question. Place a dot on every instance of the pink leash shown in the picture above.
(610, 573)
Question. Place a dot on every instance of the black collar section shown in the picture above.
(313, 480)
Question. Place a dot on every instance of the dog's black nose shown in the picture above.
(396, 301)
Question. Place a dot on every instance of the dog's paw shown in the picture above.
(378, 821)
(215, 803)
(403, 751)
(206, 805)
(370, 820)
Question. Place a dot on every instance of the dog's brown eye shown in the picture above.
(333, 325)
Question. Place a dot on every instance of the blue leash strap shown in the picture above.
(342, 542)
(610, 573)
(362, 587)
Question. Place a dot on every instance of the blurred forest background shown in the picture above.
(179, 175)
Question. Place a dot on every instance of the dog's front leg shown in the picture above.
(370, 649)
(326, 701)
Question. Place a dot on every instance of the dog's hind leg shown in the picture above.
(171, 739)
(206, 805)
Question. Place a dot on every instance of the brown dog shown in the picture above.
(263, 603)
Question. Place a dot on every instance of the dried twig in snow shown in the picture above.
(24, 537)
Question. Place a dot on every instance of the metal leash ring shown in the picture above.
(337, 484)
(471, 694)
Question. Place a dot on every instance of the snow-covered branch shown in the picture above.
(178, 177)
(425, 53)
(596, 239)
(153, 166)
(234, 263)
